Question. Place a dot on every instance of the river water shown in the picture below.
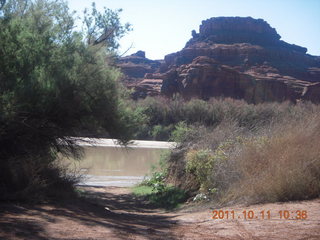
(105, 163)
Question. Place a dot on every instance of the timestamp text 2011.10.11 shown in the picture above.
(260, 215)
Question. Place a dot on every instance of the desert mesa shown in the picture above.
(236, 57)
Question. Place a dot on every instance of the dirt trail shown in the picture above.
(113, 213)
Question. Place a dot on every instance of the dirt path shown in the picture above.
(113, 213)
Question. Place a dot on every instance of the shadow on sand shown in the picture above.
(123, 214)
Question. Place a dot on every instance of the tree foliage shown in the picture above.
(2, 2)
(104, 28)
(53, 84)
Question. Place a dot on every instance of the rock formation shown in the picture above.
(134, 68)
(235, 57)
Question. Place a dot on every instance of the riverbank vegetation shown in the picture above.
(230, 151)
(160, 117)
(55, 81)
(156, 190)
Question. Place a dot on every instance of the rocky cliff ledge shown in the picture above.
(235, 57)
(134, 68)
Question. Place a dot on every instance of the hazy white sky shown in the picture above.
(161, 27)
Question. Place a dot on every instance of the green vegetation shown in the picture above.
(161, 194)
(55, 82)
(142, 190)
(157, 191)
(179, 133)
(161, 117)
(230, 151)
(201, 163)
(266, 158)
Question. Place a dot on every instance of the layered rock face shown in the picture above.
(231, 30)
(134, 68)
(241, 58)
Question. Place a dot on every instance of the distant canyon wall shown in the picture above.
(241, 58)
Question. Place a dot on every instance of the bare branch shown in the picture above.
(131, 46)
(104, 36)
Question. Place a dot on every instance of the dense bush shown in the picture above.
(283, 167)
(274, 162)
(162, 115)
(53, 84)
(230, 150)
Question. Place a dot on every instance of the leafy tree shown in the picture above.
(2, 2)
(104, 28)
(53, 85)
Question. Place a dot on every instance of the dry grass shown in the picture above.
(283, 167)
(251, 153)
(161, 115)
(277, 161)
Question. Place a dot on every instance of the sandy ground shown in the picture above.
(105, 142)
(113, 213)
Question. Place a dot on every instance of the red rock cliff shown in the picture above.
(241, 58)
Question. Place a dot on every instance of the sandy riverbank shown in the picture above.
(104, 142)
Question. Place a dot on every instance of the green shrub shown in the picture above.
(56, 83)
(204, 164)
(142, 190)
(167, 197)
(160, 132)
(200, 163)
(165, 112)
(273, 162)
(180, 132)
(157, 191)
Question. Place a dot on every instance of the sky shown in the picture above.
(161, 27)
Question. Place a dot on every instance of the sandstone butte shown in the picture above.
(236, 57)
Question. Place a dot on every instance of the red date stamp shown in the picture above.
(260, 215)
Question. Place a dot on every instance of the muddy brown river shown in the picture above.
(108, 164)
